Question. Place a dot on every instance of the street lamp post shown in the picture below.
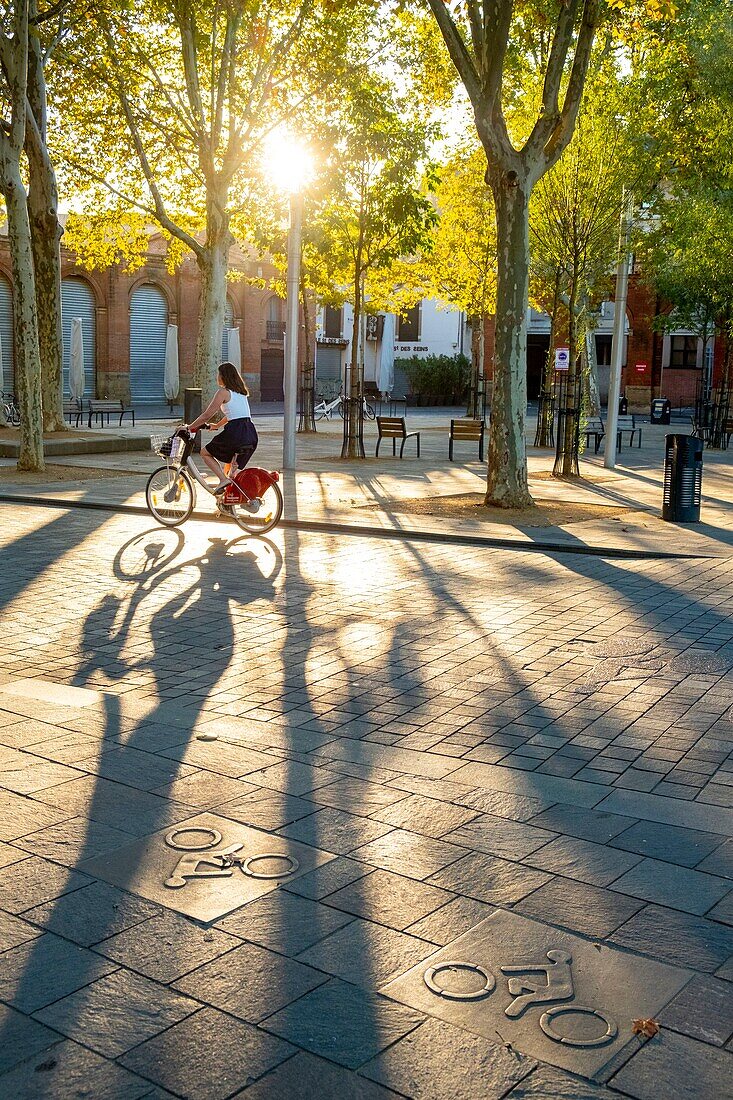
(619, 330)
(290, 379)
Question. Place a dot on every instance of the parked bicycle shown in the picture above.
(252, 499)
(325, 410)
(10, 409)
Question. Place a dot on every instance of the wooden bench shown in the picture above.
(394, 428)
(595, 429)
(73, 411)
(99, 409)
(627, 424)
(466, 431)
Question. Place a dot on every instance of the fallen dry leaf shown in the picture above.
(647, 1028)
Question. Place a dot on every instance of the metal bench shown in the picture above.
(99, 409)
(466, 431)
(594, 429)
(394, 428)
(73, 411)
(628, 425)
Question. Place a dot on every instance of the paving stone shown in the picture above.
(426, 815)
(723, 911)
(450, 920)
(676, 887)
(552, 1084)
(489, 879)
(582, 860)
(668, 842)
(166, 946)
(19, 816)
(291, 777)
(207, 1056)
(14, 931)
(22, 1038)
(589, 910)
(343, 1023)
(356, 796)
(250, 983)
(335, 831)
(74, 840)
(364, 953)
(677, 938)
(508, 839)
(181, 868)
(32, 775)
(409, 854)
(265, 809)
(11, 854)
(584, 824)
(92, 913)
(389, 899)
(703, 1010)
(66, 1071)
(221, 757)
(117, 1012)
(284, 922)
(438, 1060)
(25, 884)
(135, 768)
(205, 789)
(472, 988)
(503, 804)
(675, 1066)
(330, 877)
(122, 807)
(42, 970)
(309, 1078)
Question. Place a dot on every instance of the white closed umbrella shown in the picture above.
(385, 364)
(171, 377)
(76, 362)
(234, 348)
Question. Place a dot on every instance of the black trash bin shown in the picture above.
(661, 411)
(623, 406)
(682, 479)
(192, 409)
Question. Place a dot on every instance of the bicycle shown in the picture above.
(325, 409)
(253, 498)
(10, 409)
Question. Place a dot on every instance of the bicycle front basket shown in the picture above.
(167, 446)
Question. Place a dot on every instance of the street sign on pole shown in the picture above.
(562, 358)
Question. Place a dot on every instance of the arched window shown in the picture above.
(275, 324)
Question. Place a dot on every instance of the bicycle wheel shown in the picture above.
(169, 495)
(268, 515)
(369, 411)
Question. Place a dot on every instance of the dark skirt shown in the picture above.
(238, 438)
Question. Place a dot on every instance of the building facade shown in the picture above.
(125, 320)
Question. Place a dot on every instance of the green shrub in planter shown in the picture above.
(437, 377)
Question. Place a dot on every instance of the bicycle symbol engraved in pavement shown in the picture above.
(208, 861)
(530, 984)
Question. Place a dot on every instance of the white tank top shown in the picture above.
(236, 407)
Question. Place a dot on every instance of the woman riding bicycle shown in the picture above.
(238, 442)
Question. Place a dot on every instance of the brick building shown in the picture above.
(125, 319)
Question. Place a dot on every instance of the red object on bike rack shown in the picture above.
(253, 482)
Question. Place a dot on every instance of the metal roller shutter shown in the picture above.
(328, 362)
(228, 317)
(77, 300)
(6, 335)
(272, 366)
(148, 326)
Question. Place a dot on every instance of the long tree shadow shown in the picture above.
(150, 631)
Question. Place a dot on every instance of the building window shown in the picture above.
(408, 326)
(683, 351)
(332, 323)
(275, 324)
(603, 350)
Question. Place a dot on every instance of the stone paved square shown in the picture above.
(543, 749)
(597, 991)
(184, 869)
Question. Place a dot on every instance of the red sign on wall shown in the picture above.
(640, 368)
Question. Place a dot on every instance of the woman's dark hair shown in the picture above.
(232, 379)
